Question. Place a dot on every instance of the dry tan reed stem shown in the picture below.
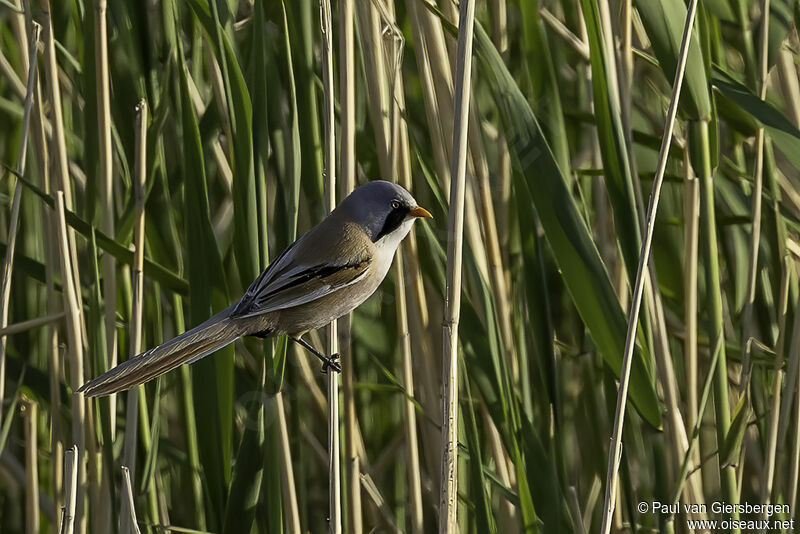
(397, 164)
(62, 163)
(377, 88)
(13, 225)
(426, 358)
(53, 304)
(555, 24)
(329, 151)
(289, 492)
(615, 451)
(347, 177)
(61, 160)
(75, 340)
(414, 482)
(455, 224)
(128, 498)
(106, 177)
(442, 75)
(127, 516)
(407, 270)
(31, 467)
(30, 324)
(71, 462)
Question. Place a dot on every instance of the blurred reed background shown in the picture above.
(158, 154)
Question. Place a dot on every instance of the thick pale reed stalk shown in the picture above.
(31, 467)
(71, 463)
(329, 151)
(75, 348)
(448, 501)
(615, 451)
(106, 187)
(347, 178)
(13, 225)
(127, 514)
(60, 158)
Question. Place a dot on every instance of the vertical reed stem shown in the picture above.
(71, 462)
(691, 217)
(448, 501)
(329, 150)
(75, 339)
(31, 467)
(61, 159)
(128, 515)
(347, 177)
(106, 189)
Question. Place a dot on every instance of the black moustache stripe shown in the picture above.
(393, 221)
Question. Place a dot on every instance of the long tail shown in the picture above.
(218, 331)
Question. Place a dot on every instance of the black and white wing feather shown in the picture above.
(288, 282)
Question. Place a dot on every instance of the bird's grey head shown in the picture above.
(382, 208)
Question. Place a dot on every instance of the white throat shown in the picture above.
(386, 246)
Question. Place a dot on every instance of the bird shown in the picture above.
(325, 274)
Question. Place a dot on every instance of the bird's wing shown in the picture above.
(305, 272)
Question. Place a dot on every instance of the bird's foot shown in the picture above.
(331, 363)
(328, 362)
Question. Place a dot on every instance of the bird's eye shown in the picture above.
(395, 204)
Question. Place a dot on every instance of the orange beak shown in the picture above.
(419, 211)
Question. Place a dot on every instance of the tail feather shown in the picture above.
(190, 346)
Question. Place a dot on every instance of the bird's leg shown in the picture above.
(328, 362)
